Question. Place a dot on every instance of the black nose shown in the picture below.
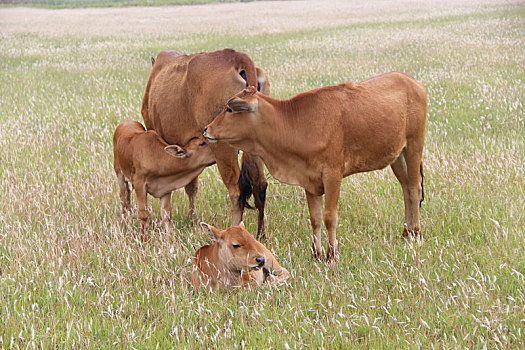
(260, 260)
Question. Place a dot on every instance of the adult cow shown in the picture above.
(184, 93)
(318, 137)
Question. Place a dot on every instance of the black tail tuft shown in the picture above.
(245, 186)
(422, 187)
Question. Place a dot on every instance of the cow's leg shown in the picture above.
(315, 207)
(142, 205)
(399, 167)
(191, 190)
(124, 194)
(227, 163)
(165, 211)
(252, 180)
(415, 181)
(332, 188)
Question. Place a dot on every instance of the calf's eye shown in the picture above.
(202, 144)
(236, 246)
(228, 109)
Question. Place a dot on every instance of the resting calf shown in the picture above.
(155, 167)
(236, 259)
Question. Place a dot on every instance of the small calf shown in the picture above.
(236, 259)
(154, 167)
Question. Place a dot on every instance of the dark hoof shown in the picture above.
(416, 233)
(332, 256)
(316, 254)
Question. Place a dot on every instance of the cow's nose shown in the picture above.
(204, 131)
(260, 260)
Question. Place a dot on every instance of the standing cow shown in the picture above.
(318, 137)
(184, 93)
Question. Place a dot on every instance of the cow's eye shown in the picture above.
(202, 144)
(228, 109)
(236, 246)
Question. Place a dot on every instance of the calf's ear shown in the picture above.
(238, 105)
(213, 233)
(176, 151)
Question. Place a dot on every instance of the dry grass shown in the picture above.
(71, 275)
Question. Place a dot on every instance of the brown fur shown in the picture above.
(222, 265)
(154, 167)
(185, 92)
(320, 136)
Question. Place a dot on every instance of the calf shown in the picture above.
(236, 259)
(154, 167)
(317, 138)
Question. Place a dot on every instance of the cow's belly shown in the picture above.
(161, 186)
(363, 162)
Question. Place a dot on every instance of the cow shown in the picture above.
(317, 138)
(154, 167)
(184, 93)
(236, 259)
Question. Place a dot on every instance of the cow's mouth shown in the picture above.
(208, 137)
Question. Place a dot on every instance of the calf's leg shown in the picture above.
(315, 207)
(142, 205)
(399, 167)
(165, 211)
(124, 194)
(332, 187)
(415, 189)
(191, 190)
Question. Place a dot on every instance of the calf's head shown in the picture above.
(237, 121)
(196, 150)
(238, 251)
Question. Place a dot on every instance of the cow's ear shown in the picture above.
(176, 151)
(238, 105)
(212, 232)
(242, 225)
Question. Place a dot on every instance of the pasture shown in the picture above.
(72, 276)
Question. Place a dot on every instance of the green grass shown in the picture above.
(72, 275)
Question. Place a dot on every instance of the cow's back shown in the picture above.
(185, 92)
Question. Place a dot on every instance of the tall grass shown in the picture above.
(72, 275)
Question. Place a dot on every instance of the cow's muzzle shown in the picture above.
(208, 137)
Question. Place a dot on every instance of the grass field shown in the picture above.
(60, 4)
(71, 276)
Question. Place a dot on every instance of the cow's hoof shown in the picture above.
(415, 233)
(316, 253)
(332, 256)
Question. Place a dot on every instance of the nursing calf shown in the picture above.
(319, 137)
(154, 167)
(236, 259)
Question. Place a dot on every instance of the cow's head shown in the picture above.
(196, 150)
(237, 121)
(238, 251)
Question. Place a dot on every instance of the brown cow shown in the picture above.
(236, 259)
(184, 93)
(318, 137)
(154, 167)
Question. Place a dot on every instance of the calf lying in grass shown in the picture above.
(154, 167)
(236, 259)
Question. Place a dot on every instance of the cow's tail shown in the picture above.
(245, 185)
(422, 187)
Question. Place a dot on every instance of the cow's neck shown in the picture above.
(225, 276)
(281, 146)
